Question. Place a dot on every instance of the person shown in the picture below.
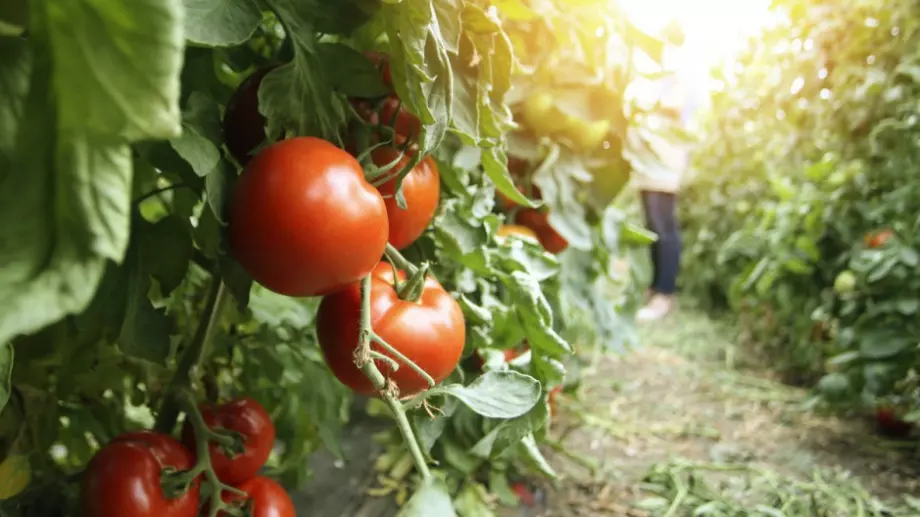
(658, 181)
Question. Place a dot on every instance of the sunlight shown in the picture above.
(715, 29)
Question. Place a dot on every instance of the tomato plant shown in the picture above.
(256, 432)
(303, 221)
(426, 327)
(810, 238)
(125, 478)
(203, 203)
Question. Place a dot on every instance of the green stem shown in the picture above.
(399, 355)
(193, 356)
(369, 368)
(411, 291)
(398, 260)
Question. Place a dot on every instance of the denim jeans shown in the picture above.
(661, 217)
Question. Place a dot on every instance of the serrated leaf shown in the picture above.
(116, 65)
(351, 73)
(221, 23)
(431, 498)
(506, 394)
(509, 433)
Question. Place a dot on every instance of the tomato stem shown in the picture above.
(193, 356)
(203, 436)
(411, 291)
(399, 355)
(398, 260)
(387, 359)
(369, 368)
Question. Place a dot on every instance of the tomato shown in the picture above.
(422, 190)
(430, 332)
(266, 498)
(244, 125)
(525, 495)
(539, 223)
(123, 478)
(508, 204)
(515, 229)
(845, 282)
(553, 393)
(541, 115)
(395, 115)
(248, 418)
(382, 62)
(303, 221)
(586, 136)
(891, 424)
(877, 239)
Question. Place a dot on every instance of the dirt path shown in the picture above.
(671, 427)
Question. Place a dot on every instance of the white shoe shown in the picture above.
(658, 306)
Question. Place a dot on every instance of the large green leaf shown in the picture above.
(221, 22)
(431, 498)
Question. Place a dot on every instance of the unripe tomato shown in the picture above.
(586, 136)
(422, 190)
(515, 229)
(266, 498)
(430, 332)
(303, 221)
(541, 114)
(246, 417)
(124, 478)
(877, 239)
(244, 125)
(845, 282)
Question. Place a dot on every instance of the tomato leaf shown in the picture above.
(145, 330)
(201, 134)
(6, 373)
(471, 501)
(14, 85)
(116, 65)
(298, 97)
(431, 498)
(495, 164)
(529, 444)
(164, 250)
(350, 72)
(237, 279)
(221, 23)
(505, 394)
(509, 433)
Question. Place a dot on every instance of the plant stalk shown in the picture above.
(194, 355)
(369, 368)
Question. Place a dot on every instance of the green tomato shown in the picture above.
(586, 136)
(541, 115)
(742, 207)
(845, 282)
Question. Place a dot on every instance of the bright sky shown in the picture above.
(715, 29)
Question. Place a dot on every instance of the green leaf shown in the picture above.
(350, 72)
(472, 501)
(6, 373)
(221, 23)
(14, 86)
(145, 329)
(533, 453)
(201, 134)
(165, 249)
(497, 394)
(237, 279)
(116, 65)
(431, 498)
(509, 433)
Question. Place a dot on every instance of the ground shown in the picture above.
(673, 425)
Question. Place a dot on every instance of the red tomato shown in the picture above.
(422, 190)
(525, 494)
(539, 223)
(430, 332)
(248, 418)
(303, 221)
(891, 424)
(877, 239)
(266, 498)
(396, 116)
(244, 125)
(123, 478)
(382, 61)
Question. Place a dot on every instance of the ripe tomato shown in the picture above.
(515, 229)
(303, 221)
(382, 61)
(123, 478)
(877, 239)
(393, 114)
(891, 424)
(248, 418)
(266, 498)
(422, 190)
(244, 125)
(539, 223)
(430, 332)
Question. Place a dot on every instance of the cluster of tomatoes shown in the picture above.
(306, 219)
(150, 474)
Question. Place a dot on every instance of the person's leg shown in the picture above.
(661, 216)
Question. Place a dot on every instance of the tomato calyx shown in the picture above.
(411, 290)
